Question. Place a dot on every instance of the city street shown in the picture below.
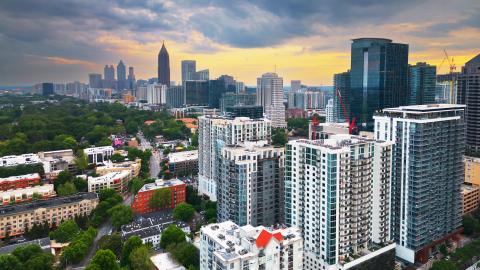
(154, 159)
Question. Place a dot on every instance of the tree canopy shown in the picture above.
(132, 243)
(171, 235)
(65, 232)
(161, 198)
(105, 260)
(120, 215)
(184, 212)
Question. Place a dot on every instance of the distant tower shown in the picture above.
(163, 66)
(189, 67)
(131, 78)
(121, 76)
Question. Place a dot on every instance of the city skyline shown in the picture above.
(308, 41)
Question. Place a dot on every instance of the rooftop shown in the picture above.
(7, 161)
(98, 149)
(183, 156)
(164, 261)
(19, 177)
(425, 108)
(151, 224)
(109, 177)
(161, 184)
(17, 208)
(27, 190)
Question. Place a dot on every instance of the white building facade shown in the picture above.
(156, 93)
(98, 155)
(227, 246)
(216, 132)
(270, 97)
(329, 112)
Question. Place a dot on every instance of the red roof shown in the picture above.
(264, 237)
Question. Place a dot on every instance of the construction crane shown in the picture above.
(452, 69)
(351, 124)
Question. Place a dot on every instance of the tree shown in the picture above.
(444, 265)
(470, 225)
(112, 242)
(26, 252)
(185, 253)
(81, 161)
(117, 158)
(279, 137)
(140, 259)
(132, 243)
(43, 261)
(171, 235)
(105, 259)
(9, 262)
(80, 184)
(120, 214)
(161, 198)
(37, 231)
(66, 189)
(106, 194)
(184, 212)
(136, 185)
(63, 177)
(65, 232)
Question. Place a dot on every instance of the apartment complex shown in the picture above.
(228, 246)
(132, 167)
(270, 97)
(27, 194)
(25, 159)
(337, 190)
(98, 155)
(141, 202)
(183, 163)
(472, 170)
(20, 181)
(215, 132)
(15, 218)
(114, 180)
(56, 161)
(250, 184)
(470, 198)
(427, 175)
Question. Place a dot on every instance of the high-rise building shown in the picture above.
(427, 174)
(329, 112)
(189, 67)
(131, 79)
(121, 76)
(163, 66)
(240, 87)
(202, 75)
(295, 85)
(341, 91)
(337, 191)
(175, 97)
(47, 88)
(250, 184)
(378, 78)
(216, 89)
(270, 97)
(421, 84)
(472, 170)
(95, 80)
(141, 93)
(250, 111)
(228, 246)
(448, 90)
(230, 99)
(469, 94)
(156, 93)
(109, 76)
(215, 132)
(196, 93)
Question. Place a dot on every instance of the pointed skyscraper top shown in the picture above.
(163, 66)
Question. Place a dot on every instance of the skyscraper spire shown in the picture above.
(163, 66)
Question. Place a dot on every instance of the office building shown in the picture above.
(142, 93)
(295, 85)
(378, 78)
(240, 87)
(470, 198)
(24, 159)
(270, 97)
(427, 175)
(217, 88)
(131, 79)
(175, 97)
(183, 163)
(448, 89)
(341, 100)
(57, 161)
(228, 246)
(422, 80)
(201, 75)
(47, 89)
(215, 132)
(109, 77)
(163, 66)
(329, 112)
(132, 167)
(117, 181)
(337, 191)
(469, 94)
(250, 111)
(472, 170)
(98, 155)
(196, 93)
(141, 202)
(156, 93)
(189, 67)
(121, 76)
(20, 195)
(250, 184)
(14, 219)
(230, 99)
(20, 181)
(95, 80)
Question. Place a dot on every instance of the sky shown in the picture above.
(309, 40)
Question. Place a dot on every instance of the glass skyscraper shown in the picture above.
(422, 84)
(379, 78)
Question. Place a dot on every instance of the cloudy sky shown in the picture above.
(61, 41)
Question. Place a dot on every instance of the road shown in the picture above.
(154, 159)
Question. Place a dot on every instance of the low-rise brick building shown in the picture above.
(141, 202)
(20, 181)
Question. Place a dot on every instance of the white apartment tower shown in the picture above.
(250, 186)
(337, 191)
(329, 112)
(156, 93)
(215, 132)
(270, 97)
(227, 246)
